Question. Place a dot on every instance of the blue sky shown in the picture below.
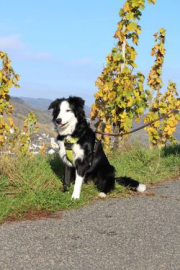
(59, 47)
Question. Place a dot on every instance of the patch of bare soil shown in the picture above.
(33, 215)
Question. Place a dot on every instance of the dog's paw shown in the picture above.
(75, 197)
(65, 189)
(102, 195)
(54, 145)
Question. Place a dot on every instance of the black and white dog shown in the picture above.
(81, 152)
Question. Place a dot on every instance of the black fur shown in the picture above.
(95, 165)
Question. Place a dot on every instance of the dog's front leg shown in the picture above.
(69, 176)
(77, 186)
(81, 166)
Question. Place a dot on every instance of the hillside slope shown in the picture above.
(21, 110)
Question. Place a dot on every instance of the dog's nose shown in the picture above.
(58, 121)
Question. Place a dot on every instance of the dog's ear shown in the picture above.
(77, 101)
(54, 104)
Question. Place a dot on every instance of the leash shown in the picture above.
(137, 129)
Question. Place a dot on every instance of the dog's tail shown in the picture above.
(132, 184)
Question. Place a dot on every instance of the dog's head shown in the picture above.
(67, 112)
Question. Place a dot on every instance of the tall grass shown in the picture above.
(150, 166)
(34, 183)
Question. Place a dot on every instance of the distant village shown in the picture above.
(40, 142)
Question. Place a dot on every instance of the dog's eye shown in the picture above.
(68, 110)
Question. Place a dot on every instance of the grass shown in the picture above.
(149, 166)
(33, 184)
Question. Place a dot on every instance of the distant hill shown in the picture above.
(21, 110)
(38, 103)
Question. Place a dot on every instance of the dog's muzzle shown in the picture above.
(58, 121)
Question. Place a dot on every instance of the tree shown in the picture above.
(160, 105)
(19, 140)
(8, 78)
(121, 92)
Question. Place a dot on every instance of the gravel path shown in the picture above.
(138, 233)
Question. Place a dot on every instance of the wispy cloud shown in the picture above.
(15, 46)
(11, 43)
